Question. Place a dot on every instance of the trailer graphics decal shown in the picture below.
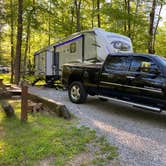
(120, 45)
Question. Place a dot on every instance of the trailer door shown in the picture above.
(49, 62)
(55, 65)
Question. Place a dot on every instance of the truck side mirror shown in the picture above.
(145, 66)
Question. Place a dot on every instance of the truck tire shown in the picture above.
(77, 92)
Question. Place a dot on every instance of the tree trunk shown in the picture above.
(151, 29)
(12, 42)
(125, 23)
(19, 42)
(72, 20)
(129, 23)
(135, 15)
(92, 16)
(49, 33)
(27, 45)
(1, 26)
(26, 48)
(78, 14)
(158, 20)
(0, 42)
(98, 14)
(49, 24)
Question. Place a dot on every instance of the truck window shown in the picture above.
(120, 63)
(162, 60)
(138, 61)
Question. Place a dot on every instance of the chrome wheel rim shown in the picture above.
(75, 92)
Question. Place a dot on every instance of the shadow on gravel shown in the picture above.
(142, 132)
(141, 115)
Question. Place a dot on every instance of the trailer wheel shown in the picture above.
(77, 92)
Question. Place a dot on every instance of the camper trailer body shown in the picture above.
(86, 46)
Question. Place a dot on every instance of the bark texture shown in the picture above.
(98, 14)
(78, 14)
(12, 42)
(19, 42)
(151, 28)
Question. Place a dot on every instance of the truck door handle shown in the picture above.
(130, 77)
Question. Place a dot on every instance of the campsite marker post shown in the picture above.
(24, 102)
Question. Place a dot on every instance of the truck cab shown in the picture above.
(139, 78)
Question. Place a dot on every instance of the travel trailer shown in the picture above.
(88, 46)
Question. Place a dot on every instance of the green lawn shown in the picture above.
(30, 79)
(6, 78)
(47, 138)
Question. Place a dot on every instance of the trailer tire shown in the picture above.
(77, 92)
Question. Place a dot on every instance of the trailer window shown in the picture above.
(72, 47)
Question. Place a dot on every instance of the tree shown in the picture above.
(78, 14)
(153, 24)
(19, 42)
(151, 28)
(2, 15)
(98, 14)
(12, 41)
(47, 21)
(29, 17)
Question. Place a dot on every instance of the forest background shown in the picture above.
(29, 25)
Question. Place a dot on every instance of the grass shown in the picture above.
(30, 79)
(6, 78)
(45, 136)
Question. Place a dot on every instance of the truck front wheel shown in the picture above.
(77, 92)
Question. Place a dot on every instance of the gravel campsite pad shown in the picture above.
(140, 135)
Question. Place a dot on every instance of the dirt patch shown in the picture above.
(81, 159)
(47, 161)
(96, 153)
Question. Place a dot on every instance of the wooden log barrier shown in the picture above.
(57, 107)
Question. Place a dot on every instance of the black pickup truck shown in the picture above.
(135, 79)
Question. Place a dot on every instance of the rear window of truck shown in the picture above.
(120, 63)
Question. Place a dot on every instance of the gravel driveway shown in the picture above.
(140, 135)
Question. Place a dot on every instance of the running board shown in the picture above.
(133, 104)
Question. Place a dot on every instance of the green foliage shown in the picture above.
(161, 41)
(53, 20)
(6, 78)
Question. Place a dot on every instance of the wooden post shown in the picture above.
(24, 102)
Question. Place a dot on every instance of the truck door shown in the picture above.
(145, 81)
(113, 77)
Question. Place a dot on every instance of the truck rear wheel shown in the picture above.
(77, 92)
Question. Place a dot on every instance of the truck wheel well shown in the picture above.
(74, 78)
